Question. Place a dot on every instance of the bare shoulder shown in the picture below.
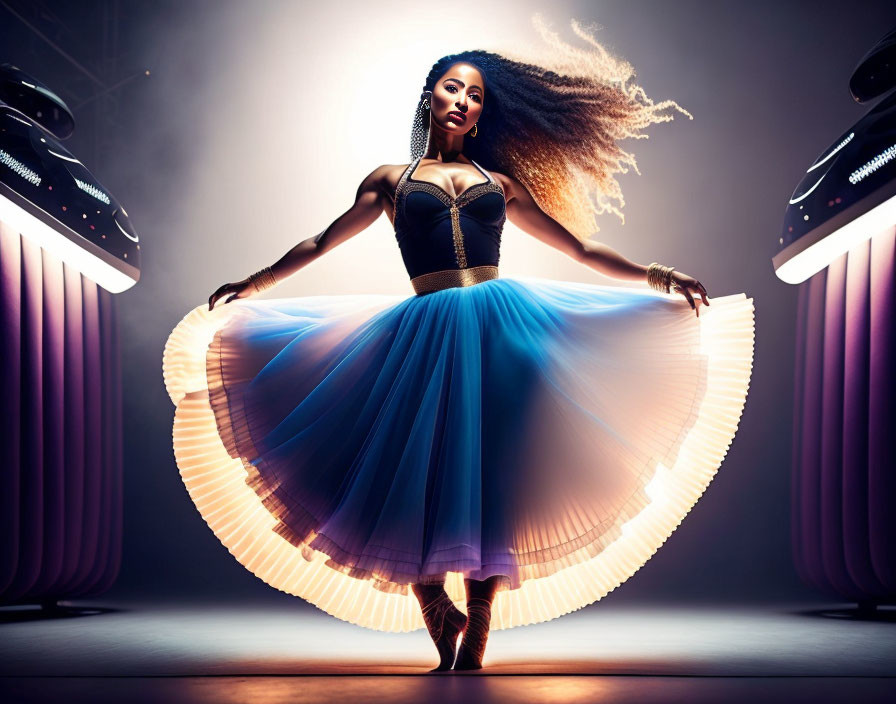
(391, 174)
(512, 187)
(384, 179)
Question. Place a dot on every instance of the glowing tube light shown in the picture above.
(89, 261)
(817, 256)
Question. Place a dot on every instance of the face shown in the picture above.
(457, 98)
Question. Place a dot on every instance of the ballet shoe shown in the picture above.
(444, 621)
(472, 647)
(446, 645)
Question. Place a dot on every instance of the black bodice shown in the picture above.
(436, 232)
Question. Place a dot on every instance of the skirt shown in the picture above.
(343, 447)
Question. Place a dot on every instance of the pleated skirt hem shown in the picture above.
(371, 590)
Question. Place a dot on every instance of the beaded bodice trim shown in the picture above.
(407, 184)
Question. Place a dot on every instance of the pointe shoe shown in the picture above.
(445, 622)
(446, 643)
(472, 647)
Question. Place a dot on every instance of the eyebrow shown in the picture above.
(457, 80)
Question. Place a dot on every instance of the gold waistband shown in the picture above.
(453, 278)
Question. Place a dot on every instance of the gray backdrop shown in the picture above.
(767, 84)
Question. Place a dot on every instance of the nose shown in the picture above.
(462, 106)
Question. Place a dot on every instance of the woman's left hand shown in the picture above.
(685, 285)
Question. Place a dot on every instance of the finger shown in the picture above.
(221, 290)
(691, 300)
(703, 293)
(231, 298)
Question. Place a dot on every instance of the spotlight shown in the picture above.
(848, 195)
(48, 195)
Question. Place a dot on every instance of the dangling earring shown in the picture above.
(425, 104)
(475, 130)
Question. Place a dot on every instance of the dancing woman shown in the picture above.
(536, 439)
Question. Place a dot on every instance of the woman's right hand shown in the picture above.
(239, 289)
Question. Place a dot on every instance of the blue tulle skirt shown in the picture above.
(509, 428)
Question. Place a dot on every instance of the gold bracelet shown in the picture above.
(659, 277)
(263, 279)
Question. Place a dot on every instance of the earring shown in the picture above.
(475, 130)
(425, 104)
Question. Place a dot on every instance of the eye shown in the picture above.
(476, 96)
(449, 86)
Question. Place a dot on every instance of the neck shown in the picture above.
(443, 146)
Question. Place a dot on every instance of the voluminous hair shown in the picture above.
(554, 122)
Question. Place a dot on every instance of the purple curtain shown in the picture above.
(844, 463)
(60, 390)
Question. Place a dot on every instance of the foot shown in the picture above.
(472, 647)
(444, 621)
(465, 661)
(446, 641)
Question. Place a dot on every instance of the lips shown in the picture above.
(459, 115)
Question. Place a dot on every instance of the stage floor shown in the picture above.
(287, 652)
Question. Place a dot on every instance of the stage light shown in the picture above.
(50, 197)
(848, 195)
(840, 246)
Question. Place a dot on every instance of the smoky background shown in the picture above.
(258, 121)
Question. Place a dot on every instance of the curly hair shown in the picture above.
(555, 125)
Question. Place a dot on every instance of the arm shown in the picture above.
(369, 202)
(524, 212)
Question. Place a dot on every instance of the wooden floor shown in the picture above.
(483, 689)
(98, 652)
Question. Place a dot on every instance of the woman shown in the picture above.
(536, 439)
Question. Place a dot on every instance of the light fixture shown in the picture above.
(50, 197)
(848, 195)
